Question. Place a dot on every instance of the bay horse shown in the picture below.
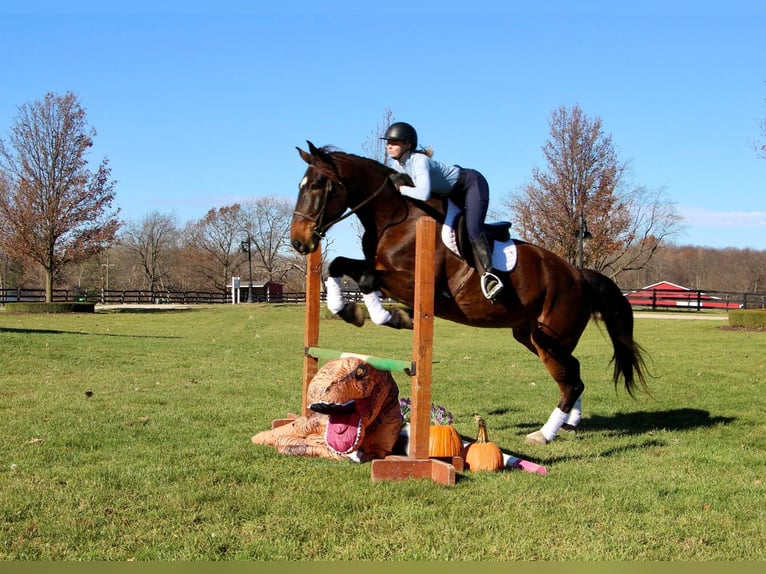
(546, 303)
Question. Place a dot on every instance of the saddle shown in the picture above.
(497, 232)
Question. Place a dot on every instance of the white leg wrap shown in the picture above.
(334, 294)
(555, 422)
(378, 314)
(575, 415)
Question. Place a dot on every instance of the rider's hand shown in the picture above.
(400, 179)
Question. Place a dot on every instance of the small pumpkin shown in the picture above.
(443, 441)
(482, 454)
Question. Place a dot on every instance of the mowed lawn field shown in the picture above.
(126, 436)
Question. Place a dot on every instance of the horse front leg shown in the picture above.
(349, 311)
(370, 285)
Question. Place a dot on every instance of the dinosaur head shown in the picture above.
(352, 394)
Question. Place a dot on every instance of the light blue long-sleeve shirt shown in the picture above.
(430, 177)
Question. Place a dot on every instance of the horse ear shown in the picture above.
(320, 159)
(305, 155)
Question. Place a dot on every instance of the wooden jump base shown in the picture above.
(417, 464)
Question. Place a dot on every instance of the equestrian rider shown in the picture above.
(467, 188)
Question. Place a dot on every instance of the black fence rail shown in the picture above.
(656, 299)
(114, 297)
(127, 297)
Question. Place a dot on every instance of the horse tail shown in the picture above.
(615, 311)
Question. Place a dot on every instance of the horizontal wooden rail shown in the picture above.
(380, 363)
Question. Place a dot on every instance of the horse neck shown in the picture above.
(381, 212)
(361, 182)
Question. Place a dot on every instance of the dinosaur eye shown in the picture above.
(361, 372)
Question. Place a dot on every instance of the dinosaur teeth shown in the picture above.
(333, 408)
(343, 432)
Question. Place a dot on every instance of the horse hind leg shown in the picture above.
(574, 417)
(524, 337)
(565, 370)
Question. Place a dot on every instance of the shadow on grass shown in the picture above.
(59, 332)
(642, 422)
(645, 421)
(633, 424)
(121, 310)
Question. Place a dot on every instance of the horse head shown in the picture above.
(322, 199)
(337, 185)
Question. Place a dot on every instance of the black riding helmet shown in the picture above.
(402, 131)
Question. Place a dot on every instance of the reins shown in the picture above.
(321, 228)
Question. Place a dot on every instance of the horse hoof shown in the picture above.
(352, 313)
(536, 438)
(399, 319)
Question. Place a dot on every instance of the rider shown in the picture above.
(467, 188)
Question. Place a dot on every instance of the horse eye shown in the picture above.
(361, 372)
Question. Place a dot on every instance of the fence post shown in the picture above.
(311, 325)
(422, 352)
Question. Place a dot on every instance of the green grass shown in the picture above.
(127, 436)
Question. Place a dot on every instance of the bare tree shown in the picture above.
(54, 211)
(152, 242)
(760, 148)
(214, 242)
(581, 195)
(374, 146)
(266, 221)
(651, 222)
(11, 270)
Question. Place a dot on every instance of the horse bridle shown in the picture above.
(320, 229)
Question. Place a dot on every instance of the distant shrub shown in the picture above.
(748, 318)
(50, 307)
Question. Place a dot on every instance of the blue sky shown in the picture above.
(200, 107)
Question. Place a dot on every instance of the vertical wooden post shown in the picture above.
(311, 331)
(423, 336)
(418, 464)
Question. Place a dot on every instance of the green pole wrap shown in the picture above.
(377, 362)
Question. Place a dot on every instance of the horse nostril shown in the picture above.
(299, 246)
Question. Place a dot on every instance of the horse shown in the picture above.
(547, 302)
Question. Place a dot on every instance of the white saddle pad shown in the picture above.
(503, 252)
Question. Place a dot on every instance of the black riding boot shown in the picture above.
(491, 286)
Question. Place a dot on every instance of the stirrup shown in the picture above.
(494, 291)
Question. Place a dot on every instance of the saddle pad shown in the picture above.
(503, 252)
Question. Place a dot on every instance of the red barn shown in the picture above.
(268, 292)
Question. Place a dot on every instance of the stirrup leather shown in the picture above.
(494, 291)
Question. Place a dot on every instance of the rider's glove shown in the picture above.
(400, 179)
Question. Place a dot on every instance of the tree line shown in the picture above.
(158, 254)
(58, 227)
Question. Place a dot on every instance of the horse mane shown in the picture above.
(344, 158)
(345, 162)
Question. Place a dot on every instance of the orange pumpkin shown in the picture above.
(443, 441)
(482, 454)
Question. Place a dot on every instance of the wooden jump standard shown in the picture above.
(417, 464)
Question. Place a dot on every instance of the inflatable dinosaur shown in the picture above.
(356, 415)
